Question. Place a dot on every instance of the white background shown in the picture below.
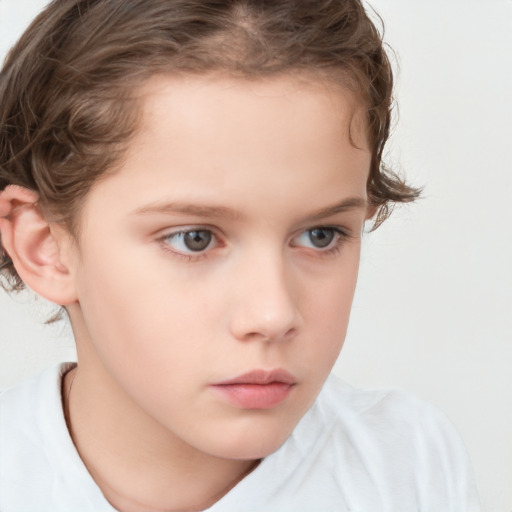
(433, 311)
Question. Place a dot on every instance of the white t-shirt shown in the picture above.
(354, 450)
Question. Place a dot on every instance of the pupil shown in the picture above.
(321, 237)
(197, 240)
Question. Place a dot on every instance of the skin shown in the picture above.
(257, 164)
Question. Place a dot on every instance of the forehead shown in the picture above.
(199, 98)
(202, 121)
(242, 143)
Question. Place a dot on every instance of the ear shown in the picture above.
(37, 249)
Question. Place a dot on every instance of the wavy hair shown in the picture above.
(67, 88)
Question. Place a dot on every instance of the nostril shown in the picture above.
(290, 333)
(270, 337)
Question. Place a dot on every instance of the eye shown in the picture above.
(190, 241)
(322, 238)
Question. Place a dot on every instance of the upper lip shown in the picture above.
(260, 377)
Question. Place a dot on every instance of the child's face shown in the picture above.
(228, 242)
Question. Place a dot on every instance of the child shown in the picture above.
(190, 180)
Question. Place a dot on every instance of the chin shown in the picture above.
(257, 443)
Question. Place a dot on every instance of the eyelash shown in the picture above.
(192, 256)
(340, 237)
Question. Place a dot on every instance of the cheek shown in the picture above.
(331, 296)
(328, 311)
(144, 325)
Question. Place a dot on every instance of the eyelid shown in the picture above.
(192, 255)
(176, 230)
(341, 235)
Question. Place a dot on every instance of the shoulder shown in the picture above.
(22, 442)
(25, 406)
(389, 419)
(39, 466)
(29, 415)
(402, 447)
(380, 409)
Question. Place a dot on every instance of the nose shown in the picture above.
(265, 302)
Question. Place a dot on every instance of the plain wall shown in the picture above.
(433, 310)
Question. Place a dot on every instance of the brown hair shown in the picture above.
(66, 89)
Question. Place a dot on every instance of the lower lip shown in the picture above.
(255, 396)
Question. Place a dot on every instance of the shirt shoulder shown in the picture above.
(40, 468)
(407, 447)
(372, 410)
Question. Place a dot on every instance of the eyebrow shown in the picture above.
(200, 210)
(350, 203)
(196, 210)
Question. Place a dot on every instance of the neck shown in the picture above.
(139, 465)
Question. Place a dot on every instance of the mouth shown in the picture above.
(257, 389)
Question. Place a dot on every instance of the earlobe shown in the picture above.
(33, 246)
